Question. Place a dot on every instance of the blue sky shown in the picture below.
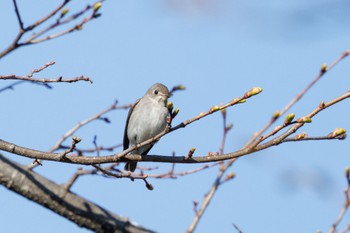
(218, 50)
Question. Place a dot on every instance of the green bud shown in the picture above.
(97, 6)
(176, 111)
(170, 105)
(276, 115)
(64, 12)
(337, 132)
(289, 118)
(323, 68)
(215, 108)
(301, 136)
(304, 120)
(253, 91)
(180, 87)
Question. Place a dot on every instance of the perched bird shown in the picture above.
(146, 118)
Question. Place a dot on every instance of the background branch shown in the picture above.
(34, 38)
(345, 206)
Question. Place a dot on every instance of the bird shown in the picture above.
(146, 118)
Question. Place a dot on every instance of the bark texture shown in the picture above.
(84, 213)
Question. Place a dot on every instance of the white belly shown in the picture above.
(147, 123)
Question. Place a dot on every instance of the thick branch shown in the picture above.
(55, 197)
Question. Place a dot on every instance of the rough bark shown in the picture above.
(84, 213)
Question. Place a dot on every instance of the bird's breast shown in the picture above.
(146, 122)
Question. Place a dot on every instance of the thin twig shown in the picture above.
(49, 16)
(76, 175)
(345, 206)
(119, 175)
(45, 80)
(20, 22)
(34, 38)
(124, 156)
(237, 228)
(218, 181)
(30, 78)
(253, 141)
(75, 141)
(174, 175)
(97, 149)
(51, 63)
(69, 133)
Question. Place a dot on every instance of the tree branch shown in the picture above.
(345, 206)
(34, 38)
(124, 156)
(29, 77)
(45, 80)
(324, 69)
(20, 22)
(55, 197)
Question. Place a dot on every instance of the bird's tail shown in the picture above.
(130, 166)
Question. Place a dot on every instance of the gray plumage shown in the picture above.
(146, 118)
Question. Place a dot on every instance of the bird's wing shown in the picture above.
(126, 139)
(146, 151)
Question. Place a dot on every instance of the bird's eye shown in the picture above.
(156, 92)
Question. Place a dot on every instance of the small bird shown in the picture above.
(146, 118)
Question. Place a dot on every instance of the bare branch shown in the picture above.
(45, 80)
(119, 175)
(97, 149)
(51, 63)
(345, 206)
(47, 17)
(18, 16)
(11, 86)
(34, 38)
(75, 141)
(30, 78)
(237, 228)
(206, 202)
(58, 144)
(56, 198)
(324, 69)
(124, 156)
(70, 132)
(75, 176)
(171, 174)
(12, 148)
(218, 181)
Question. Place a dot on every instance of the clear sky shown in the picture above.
(218, 49)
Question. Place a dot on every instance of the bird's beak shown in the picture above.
(165, 96)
